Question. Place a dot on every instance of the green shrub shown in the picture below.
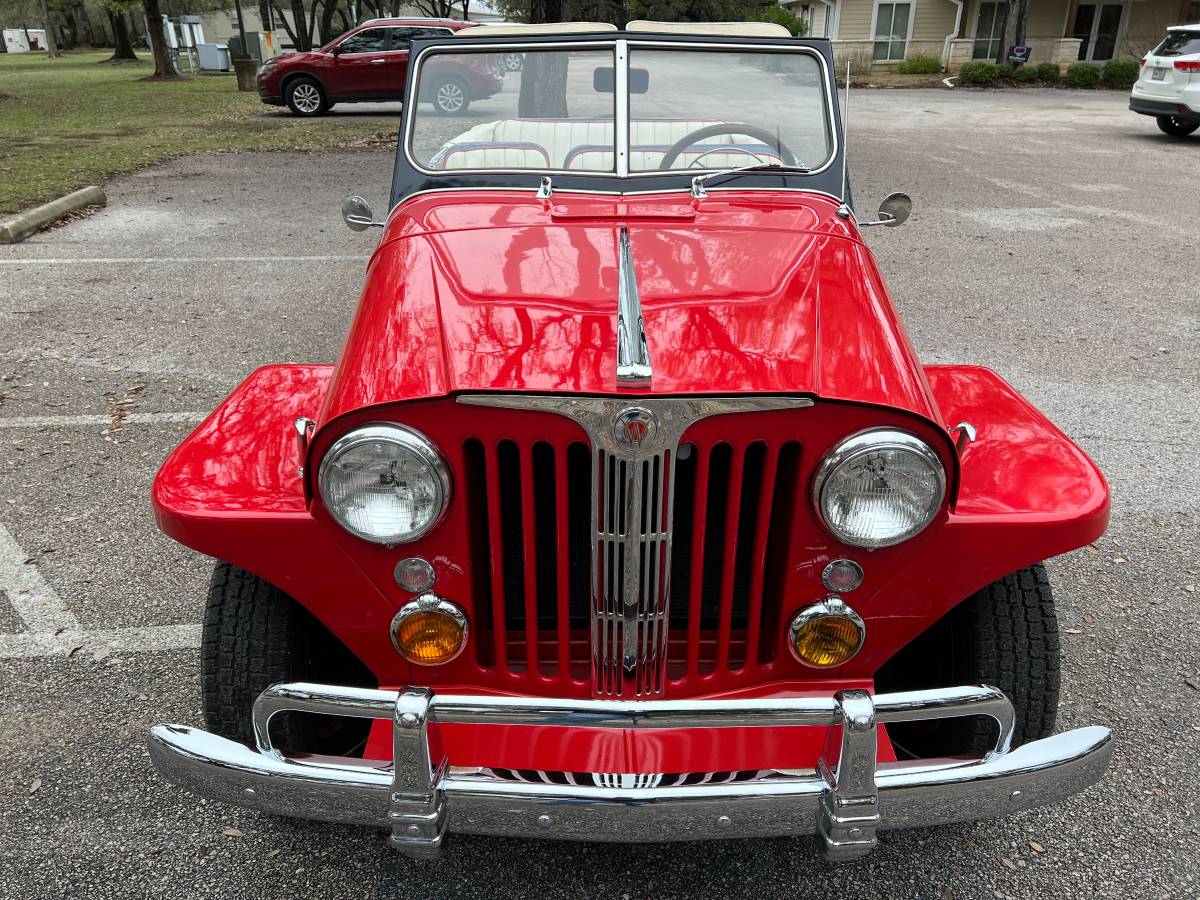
(1026, 74)
(920, 65)
(1004, 72)
(1083, 74)
(1048, 72)
(978, 72)
(1121, 73)
(780, 16)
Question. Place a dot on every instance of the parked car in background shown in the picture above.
(628, 512)
(1168, 86)
(370, 63)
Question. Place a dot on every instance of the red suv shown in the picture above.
(370, 63)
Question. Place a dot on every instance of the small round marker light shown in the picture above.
(842, 575)
(826, 634)
(414, 574)
(429, 631)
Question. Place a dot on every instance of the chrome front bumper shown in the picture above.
(846, 800)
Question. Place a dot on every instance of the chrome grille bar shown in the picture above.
(633, 495)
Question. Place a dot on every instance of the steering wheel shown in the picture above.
(668, 161)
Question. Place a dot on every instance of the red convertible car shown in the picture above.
(628, 512)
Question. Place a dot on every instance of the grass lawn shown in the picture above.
(74, 121)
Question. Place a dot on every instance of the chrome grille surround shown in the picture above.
(633, 493)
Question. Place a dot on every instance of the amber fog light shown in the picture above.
(826, 634)
(429, 631)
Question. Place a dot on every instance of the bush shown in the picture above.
(780, 16)
(920, 65)
(1083, 74)
(1121, 73)
(978, 72)
(1048, 72)
(1026, 74)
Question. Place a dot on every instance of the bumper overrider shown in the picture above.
(845, 800)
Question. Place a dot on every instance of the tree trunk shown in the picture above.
(312, 23)
(544, 11)
(287, 26)
(327, 12)
(52, 50)
(88, 30)
(543, 87)
(122, 45)
(1016, 12)
(164, 69)
(303, 39)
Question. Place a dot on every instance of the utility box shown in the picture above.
(213, 57)
(256, 46)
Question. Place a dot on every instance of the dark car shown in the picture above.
(370, 63)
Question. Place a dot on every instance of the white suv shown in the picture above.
(1168, 87)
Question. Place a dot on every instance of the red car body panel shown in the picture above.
(745, 293)
(759, 293)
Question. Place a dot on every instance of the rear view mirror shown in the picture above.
(895, 209)
(604, 80)
(356, 213)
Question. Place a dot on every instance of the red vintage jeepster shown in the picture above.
(628, 512)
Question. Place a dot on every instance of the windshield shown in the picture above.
(557, 110)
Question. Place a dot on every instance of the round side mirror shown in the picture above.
(895, 209)
(356, 213)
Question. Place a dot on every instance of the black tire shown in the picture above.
(254, 636)
(1006, 636)
(305, 97)
(1175, 126)
(450, 96)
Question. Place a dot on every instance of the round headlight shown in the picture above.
(879, 488)
(385, 483)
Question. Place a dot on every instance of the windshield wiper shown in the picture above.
(700, 193)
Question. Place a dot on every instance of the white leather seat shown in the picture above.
(586, 145)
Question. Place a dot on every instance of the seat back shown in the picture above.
(585, 145)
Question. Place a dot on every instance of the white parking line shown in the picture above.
(53, 629)
(150, 260)
(73, 421)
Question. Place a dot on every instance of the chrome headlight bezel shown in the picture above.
(869, 441)
(411, 440)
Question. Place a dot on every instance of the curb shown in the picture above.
(22, 225)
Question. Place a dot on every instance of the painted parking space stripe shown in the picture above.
(158, 418)
(53, 630)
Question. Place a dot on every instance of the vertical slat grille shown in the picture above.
(629, 574)
(632, 545)
(529, 532)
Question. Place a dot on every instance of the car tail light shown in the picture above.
(1189, 65)
(1142, 61)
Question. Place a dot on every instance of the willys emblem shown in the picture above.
(635, 427)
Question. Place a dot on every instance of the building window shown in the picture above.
(891, 30)
(989, 31)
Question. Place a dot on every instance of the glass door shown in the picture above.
(1098, 25)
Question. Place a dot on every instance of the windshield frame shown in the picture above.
(411, 177)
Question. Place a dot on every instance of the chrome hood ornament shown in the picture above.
(633, 353)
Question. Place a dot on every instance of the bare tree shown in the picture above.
(52, 50)
(544, 75)
(164, 67)
(122, 45)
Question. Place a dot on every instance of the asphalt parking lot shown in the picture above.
(1053, 238)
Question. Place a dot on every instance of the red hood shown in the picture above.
(742, 293)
